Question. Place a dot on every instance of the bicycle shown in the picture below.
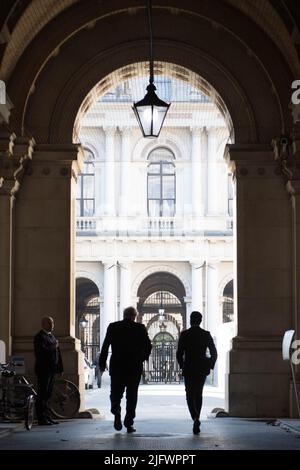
(65, 399)
(17, 400)
(64, 402)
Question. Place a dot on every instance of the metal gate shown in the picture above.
(162, 366)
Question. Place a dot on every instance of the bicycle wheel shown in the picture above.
(65, 400)
(29, 412)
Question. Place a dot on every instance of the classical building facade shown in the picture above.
(56, 57)
(155, 219)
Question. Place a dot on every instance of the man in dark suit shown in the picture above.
(130, 346)
(195, 365)
(48, 363)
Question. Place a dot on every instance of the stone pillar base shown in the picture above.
(72, 358)
(258, 385)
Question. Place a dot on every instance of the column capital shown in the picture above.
(109, 263)
(293, 187)
(58, 152)
(7, 141)
(125, 264)
(211, 130)
(110, 130)
(14, 163)
(8, 187)
(196, 131)
(197, 264)
(252, 160)
(213, 264)
(125, 130)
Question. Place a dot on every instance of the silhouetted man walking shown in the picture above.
(48, 363)
(131, 346)
(195, 365)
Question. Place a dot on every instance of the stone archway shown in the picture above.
(204, 38)
(162, 310)
(88, 309)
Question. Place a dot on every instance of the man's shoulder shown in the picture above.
(114, 325)
(195, 331)
(39, 334)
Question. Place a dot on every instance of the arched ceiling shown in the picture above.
(23, 20)
(139, 69)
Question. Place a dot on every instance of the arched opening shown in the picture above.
(174, 189)
(88, 318)
(162, 310)
(228, 303)
(48, 113)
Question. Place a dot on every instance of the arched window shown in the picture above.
(161, 183)
(86, 188)
(162, 297)
(228, 302)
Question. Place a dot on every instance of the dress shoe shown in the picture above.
(196, 426)
(52, 421)
(118, 422)
(130, 429)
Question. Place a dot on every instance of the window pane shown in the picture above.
(230, 207)
(153, 186)
(88, 168)
(168, 168)
(168, 187)
(230, 187)
(88, 187)
(168, 208)
(154, 207)
(78, 189)
(161, 154)
(88, 207)
(154, 168)
(78, 208)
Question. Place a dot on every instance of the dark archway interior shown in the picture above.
(87, 308)
(85, 290)
(162, 281)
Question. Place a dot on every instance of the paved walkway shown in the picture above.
(162, 424)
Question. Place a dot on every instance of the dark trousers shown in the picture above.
(44, 391)
(117, 388)
(194, 389)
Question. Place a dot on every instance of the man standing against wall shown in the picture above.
(48, 363)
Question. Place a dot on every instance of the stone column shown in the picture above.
(212, 298)
(213, 315)
(258, 382)
(13, 158)
(197, 202)
(99, 203)
(7, 199)
(125, 287)
(125, 171)
(109, 179)
(44, 262)
(212, 177)
(109, 312)
(197, 295)
(188, 305)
